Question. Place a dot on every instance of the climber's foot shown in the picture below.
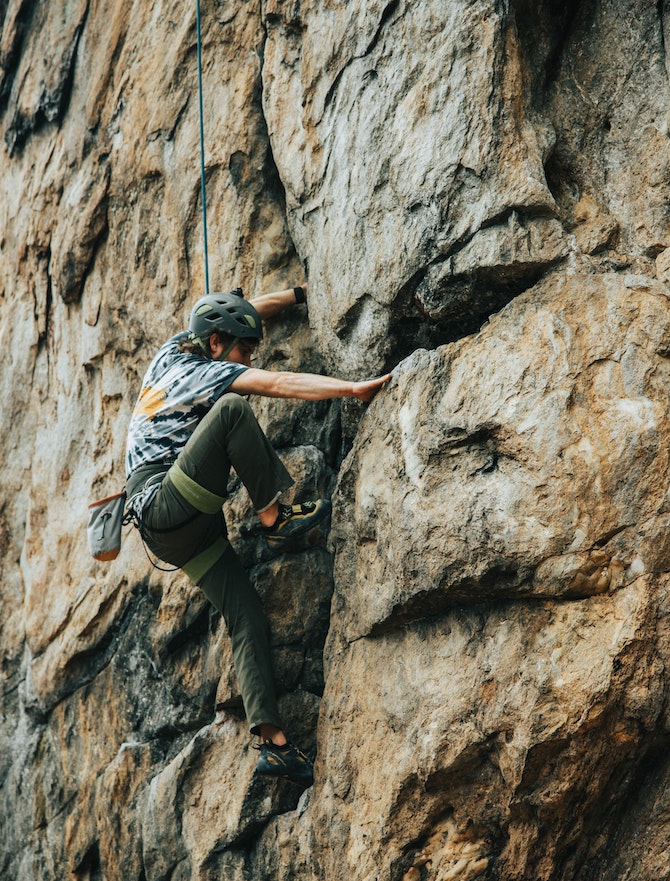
(295, 520)
(285, 761)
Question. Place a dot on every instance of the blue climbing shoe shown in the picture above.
(285, 761)
(295, 520)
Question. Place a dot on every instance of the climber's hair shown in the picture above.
(193, 347)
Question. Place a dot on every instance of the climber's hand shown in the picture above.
(365, 391)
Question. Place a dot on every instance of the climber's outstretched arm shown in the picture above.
(304, 386)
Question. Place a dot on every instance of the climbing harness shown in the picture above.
(134, 514)
(108, 516)
(202, 147)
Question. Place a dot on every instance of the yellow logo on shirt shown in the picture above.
(149, 402)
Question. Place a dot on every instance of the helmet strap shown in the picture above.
(205, 348)
(230, 347)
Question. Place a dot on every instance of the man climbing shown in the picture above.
(189, 427)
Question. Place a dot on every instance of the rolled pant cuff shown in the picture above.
(255, 727)
(270, 503)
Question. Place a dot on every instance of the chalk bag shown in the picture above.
(104, 526)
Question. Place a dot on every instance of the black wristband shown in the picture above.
(299, 294)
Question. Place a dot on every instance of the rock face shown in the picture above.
(477, 654)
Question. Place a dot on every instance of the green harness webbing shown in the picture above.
(202, 563)
(205, 501)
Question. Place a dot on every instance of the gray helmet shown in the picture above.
(229, 313)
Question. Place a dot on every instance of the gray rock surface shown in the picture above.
(477, 653)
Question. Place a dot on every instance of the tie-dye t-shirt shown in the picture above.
(177, 391)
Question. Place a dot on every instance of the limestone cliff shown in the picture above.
(477, 654)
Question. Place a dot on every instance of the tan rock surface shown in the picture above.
(479, 486)
(478, 194)
(535, 633)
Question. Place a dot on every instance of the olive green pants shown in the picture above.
(184, 525)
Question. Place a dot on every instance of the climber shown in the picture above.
(189, 426)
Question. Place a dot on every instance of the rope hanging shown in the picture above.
(202, 149)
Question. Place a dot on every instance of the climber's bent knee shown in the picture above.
(234, 406)
(232, 399)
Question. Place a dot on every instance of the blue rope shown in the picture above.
(202, 149)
